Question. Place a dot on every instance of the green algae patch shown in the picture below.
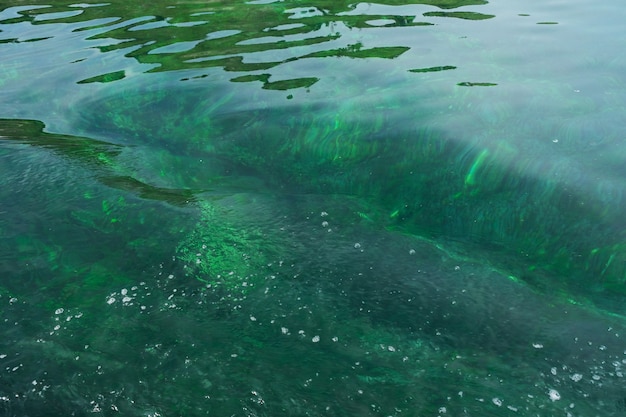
(290, 84)
(250, 78)
(220, 252)
(357, 52)
(31, 132)
(475, 84)
(104, 78)
(434, 69)
(461, 15)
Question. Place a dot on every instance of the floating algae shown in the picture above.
(219, 252)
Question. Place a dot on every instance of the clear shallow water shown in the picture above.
(312, 209)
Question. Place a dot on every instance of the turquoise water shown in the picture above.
(288, 208)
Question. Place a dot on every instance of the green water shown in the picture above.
(289, 208)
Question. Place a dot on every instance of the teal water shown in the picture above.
(288, 208)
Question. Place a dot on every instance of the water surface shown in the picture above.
(272, 208)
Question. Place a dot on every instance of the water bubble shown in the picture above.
(497, 401)
(576, 377)
(58, 311)
(537, 345)
(554, 395)
(315, 339)
(412, 252)
(357, 245)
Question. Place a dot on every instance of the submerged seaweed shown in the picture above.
(428, 182)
